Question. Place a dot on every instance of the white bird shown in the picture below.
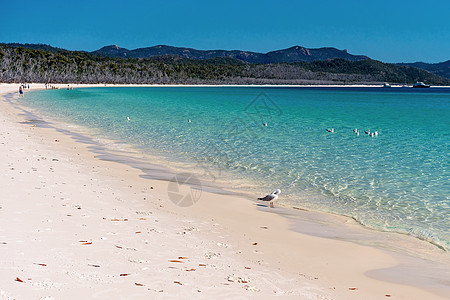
(331, 130)
(128, 118)
(189, 121)
(271, 197)
(265, 124)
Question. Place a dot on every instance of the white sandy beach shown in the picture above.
(73, 226)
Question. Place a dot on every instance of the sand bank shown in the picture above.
(73, 225)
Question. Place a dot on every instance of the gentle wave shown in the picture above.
(396, 181)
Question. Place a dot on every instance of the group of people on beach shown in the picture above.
(49, 86)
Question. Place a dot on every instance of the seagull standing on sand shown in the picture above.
(271, 197)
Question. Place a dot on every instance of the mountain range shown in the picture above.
(288, 66)
(441, 69)
(289, 55)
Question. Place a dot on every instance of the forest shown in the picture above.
(22, 64)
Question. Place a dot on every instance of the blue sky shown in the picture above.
(390, 31)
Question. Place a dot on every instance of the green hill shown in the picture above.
(293, 54)
(20, 64)
(441, 69)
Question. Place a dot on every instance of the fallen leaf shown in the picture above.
(89, 243)
(388, 295)
(142, 219)
(138, 284)
(114, 220)
(138, 232)
(264, 227)
(56, 140)
(176, 261)
(352, 289)
(118, 247)
(44, 265)
(178, 282)
(254, 244)
(96, 266)
(248, 268)
(18, 279)
(124, 274)
(182, 257)
(202, 265)
(190, 270)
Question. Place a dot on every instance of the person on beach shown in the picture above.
(20, 91)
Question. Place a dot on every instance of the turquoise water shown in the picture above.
(396, 181)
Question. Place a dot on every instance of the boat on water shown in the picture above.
(386, 85)
(420, 85)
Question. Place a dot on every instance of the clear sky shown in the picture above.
(390, 31)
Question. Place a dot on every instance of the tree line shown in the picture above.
(20, 64)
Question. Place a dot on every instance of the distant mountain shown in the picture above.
(34, 46)
(293, 54)
(441, 69)
(32, 64)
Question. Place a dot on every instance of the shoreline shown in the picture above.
(339, 268)
(83, 85)
(228, 185)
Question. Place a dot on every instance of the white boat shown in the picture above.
(386, 85)
(420, 85)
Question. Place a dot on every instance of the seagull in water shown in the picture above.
(271, 197)
(331, 130)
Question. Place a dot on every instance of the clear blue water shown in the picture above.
(396, 181)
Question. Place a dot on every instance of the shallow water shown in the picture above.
(396, 181)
